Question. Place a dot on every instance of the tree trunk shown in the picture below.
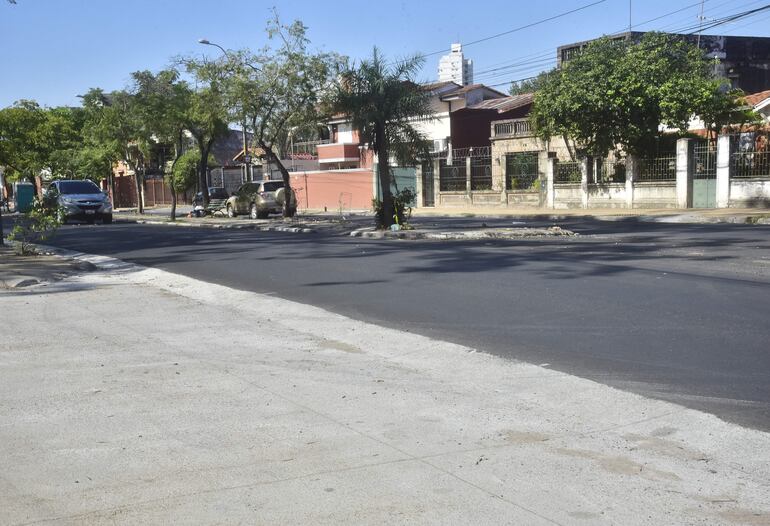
(289, 204)
(137, 187)
(204, 149)
(383, 174)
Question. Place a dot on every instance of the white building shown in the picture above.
(455, 68)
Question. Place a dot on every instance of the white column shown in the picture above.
(550, 169)
(585, 171)
(418, 197)
(723, 171)
(436, 182)
(684, 172)
(468, 178)
(632, 172)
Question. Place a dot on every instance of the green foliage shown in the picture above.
(529, 85)
(276, 91)
(384, 102)
(40, 224)
(402, 210)
(617, 92)
(184, 174)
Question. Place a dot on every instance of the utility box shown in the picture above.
(24, 196)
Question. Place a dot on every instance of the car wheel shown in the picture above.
(253, 211)
(106, 220)
(231, 211)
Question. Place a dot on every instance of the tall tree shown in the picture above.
(23, 150)
(384, 104)
(279, 89)
(619, 93)
(163, 101)
(114, 125)
(530, 85)
(206, 115)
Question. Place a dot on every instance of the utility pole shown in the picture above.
(700, 21)
(629, 15)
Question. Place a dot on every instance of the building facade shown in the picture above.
(454, 67)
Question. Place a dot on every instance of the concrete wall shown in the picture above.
(611, 195)
(332, 189)
(660, 194)
(749, 193)
(568, 196)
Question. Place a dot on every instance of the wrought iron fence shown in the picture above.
(751, 155)
(704, 160)
(481, 173)
(452, 176)
(610, 171)
(748, 165)
(306, 149)
(661, 168)
(462, 153)
(567, 172)
(522, 171)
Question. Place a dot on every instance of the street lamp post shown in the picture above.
(246, 157)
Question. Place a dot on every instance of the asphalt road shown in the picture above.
(677, 312)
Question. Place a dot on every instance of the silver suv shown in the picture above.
(259, 199)
(79, 199)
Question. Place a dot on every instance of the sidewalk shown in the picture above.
(245, 408)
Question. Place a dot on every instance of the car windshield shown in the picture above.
(273, 186)
(78, 187)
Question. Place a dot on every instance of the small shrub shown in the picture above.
(40, 224)
(402, 209)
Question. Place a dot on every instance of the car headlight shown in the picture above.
(67, 200)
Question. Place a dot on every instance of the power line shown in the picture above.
(514, 30)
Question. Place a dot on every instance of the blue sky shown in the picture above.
(53, 50)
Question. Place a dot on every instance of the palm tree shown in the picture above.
(384, 104)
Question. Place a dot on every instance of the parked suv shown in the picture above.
(79, 199)
(259, 199)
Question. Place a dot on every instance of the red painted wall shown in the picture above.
(330, 188)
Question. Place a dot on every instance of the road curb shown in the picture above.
(262, 228)
(497, 233)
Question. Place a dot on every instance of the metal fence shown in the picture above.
(481, 173)
(704, 160)
(306, 150)
(661, 168)
(608, 171)
(567, 173)
(522, 171)
(452, 176)
(751, 155)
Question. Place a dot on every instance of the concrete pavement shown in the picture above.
(134, 395)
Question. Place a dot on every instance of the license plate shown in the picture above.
(90, 212)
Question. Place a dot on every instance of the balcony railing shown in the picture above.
(512, 128)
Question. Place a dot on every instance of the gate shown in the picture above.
(522, 172)
(704, 180)
(428, 190)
